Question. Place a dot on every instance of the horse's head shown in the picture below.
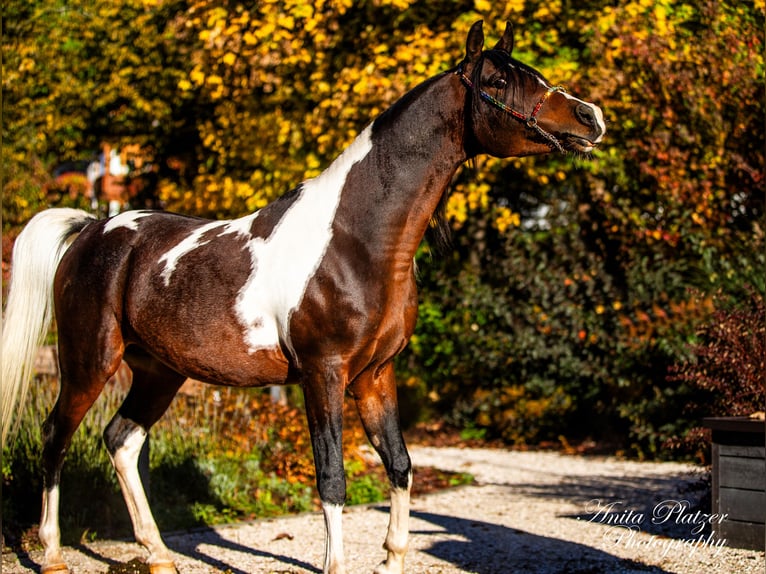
(515, 111)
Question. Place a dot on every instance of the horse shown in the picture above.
(317, 288)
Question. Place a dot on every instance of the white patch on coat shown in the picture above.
(284, 262)
(194, 240)
(190, 243)
(128, 220)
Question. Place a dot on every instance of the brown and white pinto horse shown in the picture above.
(317, 288)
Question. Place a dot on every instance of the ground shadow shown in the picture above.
(488, 548)
(482, 547)
(188, 543)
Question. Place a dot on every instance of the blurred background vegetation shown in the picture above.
(574, 286)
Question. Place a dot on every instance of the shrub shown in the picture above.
(728, 369)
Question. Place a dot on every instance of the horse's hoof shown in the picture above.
(387, 567)
(60, 568)
(163, 568)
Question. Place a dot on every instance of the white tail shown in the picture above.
(29, 311)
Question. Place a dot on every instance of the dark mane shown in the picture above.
(439, 232)
(400, 105)
(519, 76)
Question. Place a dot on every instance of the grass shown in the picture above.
(217, 456)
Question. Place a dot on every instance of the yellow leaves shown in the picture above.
(361, 86)
(257, 201)
(27, 65)
(285, 21)
(547, 10)
(457, 208)
(288, 95)
(216, 82)
(478, 195)
(216, 17)
(660, 19)
(482, 6)
(341, 6)
(209, 140)
(505, 218)
(513, 11)
(249, 39)
(197, 76)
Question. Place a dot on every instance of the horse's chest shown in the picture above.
(354, 314)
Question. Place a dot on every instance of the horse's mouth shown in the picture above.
(578, 143)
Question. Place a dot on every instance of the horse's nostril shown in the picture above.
(586, 115)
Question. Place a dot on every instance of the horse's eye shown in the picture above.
(499, 83)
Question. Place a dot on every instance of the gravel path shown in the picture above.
(530, 513)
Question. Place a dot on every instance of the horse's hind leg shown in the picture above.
(375, 396)
(154, 386)
(80, 387)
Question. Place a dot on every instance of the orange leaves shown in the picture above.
(644, 326)
(244, 422)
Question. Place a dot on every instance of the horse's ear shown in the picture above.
(474, 43)
(506, 42)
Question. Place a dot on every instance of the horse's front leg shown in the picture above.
(324, 410)
(378, 408)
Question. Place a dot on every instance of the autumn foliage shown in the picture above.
(574, 283)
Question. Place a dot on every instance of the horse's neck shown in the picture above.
(390, 196)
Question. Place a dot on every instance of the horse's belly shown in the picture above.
(208, 343)
(224, 365)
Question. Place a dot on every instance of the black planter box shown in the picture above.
(739, 480)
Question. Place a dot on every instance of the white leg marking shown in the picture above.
(49, 533)
(397, 539)
(125, 461)
(333, 557)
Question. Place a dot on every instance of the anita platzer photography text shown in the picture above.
(650, 530)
